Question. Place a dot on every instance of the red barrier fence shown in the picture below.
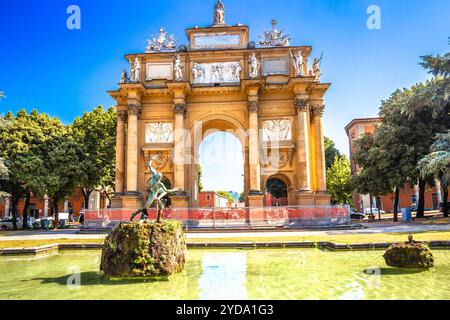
(230, 217)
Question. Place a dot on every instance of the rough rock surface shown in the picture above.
(409, 255)
(144, 249)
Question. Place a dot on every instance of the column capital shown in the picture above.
(134, 109)
(302, 104)
(318, 109)
(253, 106)
(122, 115)
(179, 108)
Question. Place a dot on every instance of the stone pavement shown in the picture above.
(372, 228)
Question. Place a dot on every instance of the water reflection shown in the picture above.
(224, 276)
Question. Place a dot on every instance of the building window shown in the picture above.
(208, 197)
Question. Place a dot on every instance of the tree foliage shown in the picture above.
(330, 152)
(95, 134)
(339, 181)
(227, 195)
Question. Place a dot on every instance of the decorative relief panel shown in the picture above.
(277, 130)
(160, 159)
(216, 40)
(158, 71)
(159, 132)
(222, 72)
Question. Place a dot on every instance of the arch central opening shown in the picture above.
(221, 167)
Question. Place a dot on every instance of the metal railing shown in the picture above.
(230, 218)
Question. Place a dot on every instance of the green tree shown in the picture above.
(62, 169)
(437, 164)
(24, 141)
(200, 176)
(4, 177)
(227, 195)
(330, 152)
(242, 197)
(339, 181)
(95, 132)
(371, 178)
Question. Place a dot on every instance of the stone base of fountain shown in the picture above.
(414, 255)
(144, 250)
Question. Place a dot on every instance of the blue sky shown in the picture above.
(44, 65)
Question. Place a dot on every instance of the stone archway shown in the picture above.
(277, 190)
(200, 130)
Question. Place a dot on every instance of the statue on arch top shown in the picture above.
(162, 42)
(275, 37)
(219, 13)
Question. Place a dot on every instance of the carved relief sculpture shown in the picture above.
(277, 130)
(297, 62)
(161, 42)
(178, 68)
(160, 159)
(219, 14)
(274, 38)
(254, 66)
(223, 72)
(159, 132)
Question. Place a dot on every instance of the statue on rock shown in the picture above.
(219, 14)
(156, 193)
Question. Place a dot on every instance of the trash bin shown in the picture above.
(62, 224)
(406, 215)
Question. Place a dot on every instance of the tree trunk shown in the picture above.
(56, 217)
(25, 211)
(445, 207)
(371, 204)
(396, 203)
(421, 204)
(14, 203)
(379, 207)
(86, 196)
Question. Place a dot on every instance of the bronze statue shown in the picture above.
(156, 192)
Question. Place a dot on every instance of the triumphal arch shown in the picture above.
(268, 94)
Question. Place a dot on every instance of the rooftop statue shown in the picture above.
(274, 38)
(178, 68)
(219, 13)
(156, 192)
(162, 42)
(298, 62)
(254, 66)
(135, 72)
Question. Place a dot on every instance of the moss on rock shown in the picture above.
(414, 255)
(144, 249)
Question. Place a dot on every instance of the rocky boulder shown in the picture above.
(415, 255)
(144, 249)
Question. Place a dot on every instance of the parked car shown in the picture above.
(374, 211)
(7, 224)
(356, 215)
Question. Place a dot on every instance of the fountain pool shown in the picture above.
(230, 274)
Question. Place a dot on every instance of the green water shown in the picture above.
(229, 275)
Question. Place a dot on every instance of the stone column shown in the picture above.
(134, 110)
(120, 151)
(6, 215)
(179, 146)
(255, 196)
(319, 147)
(305, 195)
(45, 206)
(254, 147)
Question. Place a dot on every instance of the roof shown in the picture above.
(362, 120)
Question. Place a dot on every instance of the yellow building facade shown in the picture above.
(266, 95)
